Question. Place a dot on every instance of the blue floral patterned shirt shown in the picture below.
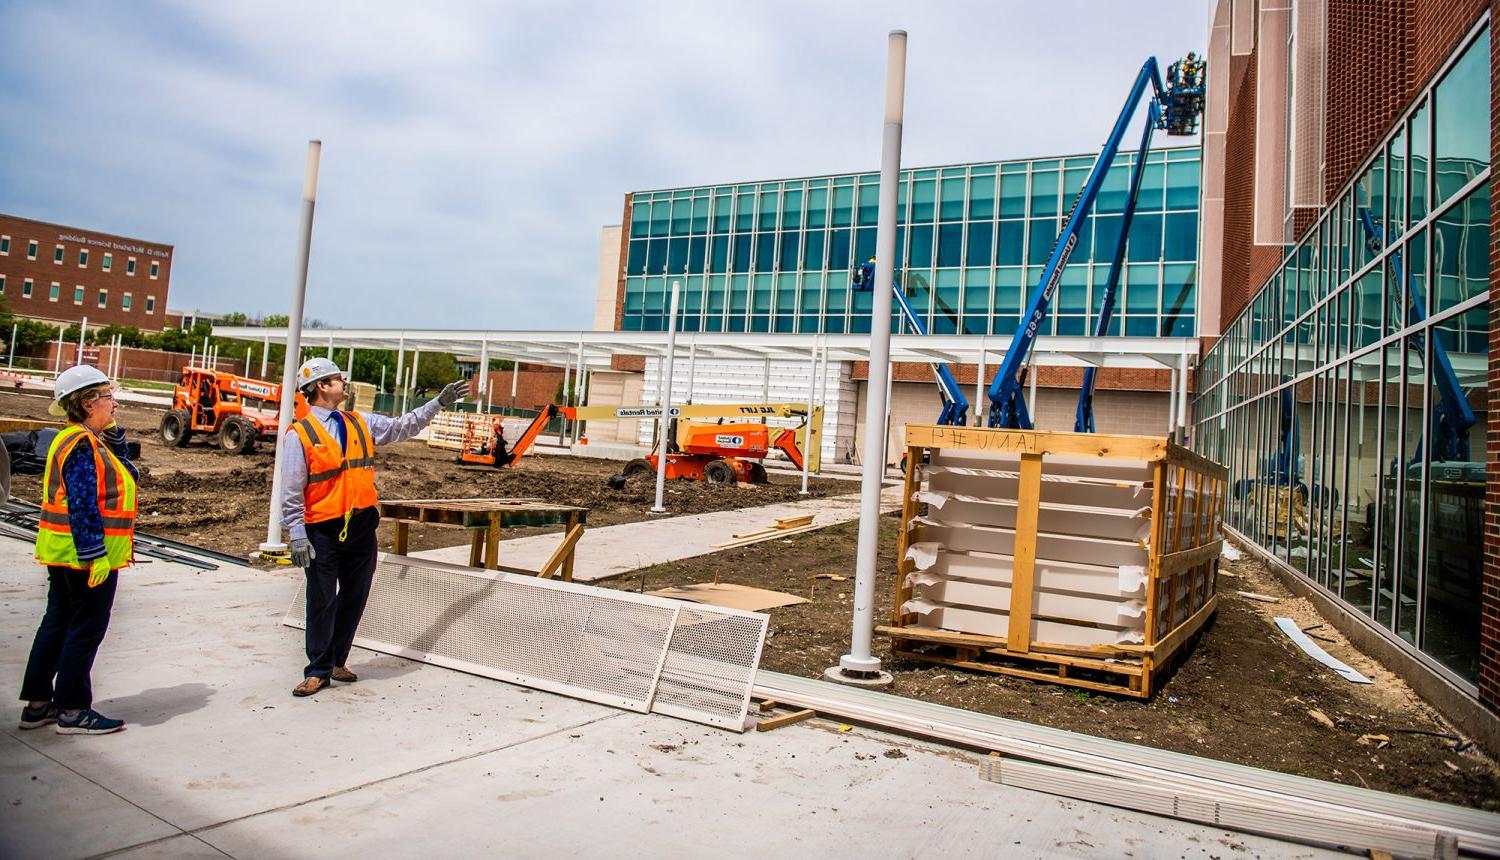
(82, 483)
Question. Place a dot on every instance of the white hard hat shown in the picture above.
(74, 379)
(315, 369)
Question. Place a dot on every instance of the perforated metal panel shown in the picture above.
(710, 666)
(591, 643)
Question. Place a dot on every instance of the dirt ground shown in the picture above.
(202, 496)
(1243, 694)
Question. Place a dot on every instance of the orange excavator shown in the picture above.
(720, 452)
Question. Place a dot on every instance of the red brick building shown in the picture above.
(62, 274)
(1347, 250)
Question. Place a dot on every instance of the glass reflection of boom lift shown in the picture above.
(955, 410)
(1175, 109)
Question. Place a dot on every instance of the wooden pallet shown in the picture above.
(1187, 496)
(486, 518)
(449, 429)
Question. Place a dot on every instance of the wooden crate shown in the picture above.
(448, 428)
(1006, 608)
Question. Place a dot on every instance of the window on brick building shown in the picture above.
(57, 255)
(26, 286)
(31, 250)
(2, 285)
(155, 269)
(130, 266)
(125, 302)
(5, 245)
(78, 295)
(106, 262)
(54, 291)
(151, 304)
(83, 258)
(104, 298)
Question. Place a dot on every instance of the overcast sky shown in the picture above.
(473, 151)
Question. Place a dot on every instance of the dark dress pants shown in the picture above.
(338, 583)
(66, 641)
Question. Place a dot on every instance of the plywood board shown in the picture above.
(730, 596)
(1123, 581)
(998, 625)
(1091, 520)
(1062, 547)
(1057, 607)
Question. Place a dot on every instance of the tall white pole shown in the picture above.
(265, 354)
(484, 370)
(400, 372)
(349, 371)
(515, 375)
(692, 367)
(192, 355)
(562, 434)
(10, 363)
(382, 379)
(1182, 400)
(578, 388)
(859, 665)
(57, 358)
(664, 403)
(293, 337)
(416, 361)
(83, 331)
(1171, 399)
(812, 393)
(765, 382)
(979, 399)
(330, 347)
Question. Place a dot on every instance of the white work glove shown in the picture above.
(453, 392)
(303, 552)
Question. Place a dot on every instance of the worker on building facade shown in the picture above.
(85, 533)
(328, 508)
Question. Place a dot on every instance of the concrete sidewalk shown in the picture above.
(218, 759)
(613, 550)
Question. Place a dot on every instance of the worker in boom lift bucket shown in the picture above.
(328, 509)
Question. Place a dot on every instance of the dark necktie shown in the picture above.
(338, 423)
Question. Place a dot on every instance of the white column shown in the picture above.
(57, 359)
(812, 393)
(979, 396)
(411, 391)
(265, 354)
(1182, 399)
(578, 388)
(1171, 399)
(765, 383)
(515, 375)
(400, 372)
(692, 367)
(10, 363)
(664, 402)
(83, 331)
(293, 337)
(484, 371)
(382, 379)
(330, 347)
(562, 435)
(859, 663)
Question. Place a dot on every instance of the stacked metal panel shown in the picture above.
(632, 651)
(1093, 521)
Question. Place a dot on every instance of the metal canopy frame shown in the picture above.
(561, 348)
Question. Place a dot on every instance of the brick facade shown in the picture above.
(536, 386)
(84, 254)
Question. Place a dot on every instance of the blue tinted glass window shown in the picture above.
(682, 212)
(768, 202)
(1178, 299)
(700, 215)
(1013, 195)
(982, 197)
(1181, 241)
(923, 201)
(950, 245)
(864, 243)
(812, 255)
(1008, 248)
(661, 218)
(1461, 142)
(838, 249)
(791, 210)
(765, 252)
(920, 255)
(981, 237)
(817, 207)
(760, 293)
(869, 205)
(640, 219)
(1044, 193)
(1106, 236)
(1145, 236)
(718, 255)
(723, 205)
(1152, 194)
(743, 243)
(636, 262)
(744, 212)
(1182, 185)
(952, 208)
(1142, 289)
(843, 206)
(656, 256)
(677, 255)
(1043, 237)
(695, 254)
(1115, 190)
(1421, 155)
(790, 245)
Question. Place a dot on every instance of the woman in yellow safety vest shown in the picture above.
(85, 533)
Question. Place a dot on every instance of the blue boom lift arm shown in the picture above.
(1452, 416)
(955, 410)
(1175, 109)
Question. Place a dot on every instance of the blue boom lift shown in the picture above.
(955, 405)
(1174, 109)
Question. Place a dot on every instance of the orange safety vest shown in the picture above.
(116, 499)
(339, 482)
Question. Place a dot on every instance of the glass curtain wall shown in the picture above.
(972, 241)
(1350, 397)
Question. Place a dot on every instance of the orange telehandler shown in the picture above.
(236, 410)
(717, 452)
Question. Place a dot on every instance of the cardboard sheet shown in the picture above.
(730, 596)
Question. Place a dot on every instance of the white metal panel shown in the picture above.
(711, 665)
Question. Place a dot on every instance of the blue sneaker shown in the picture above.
(88, 722)
(35, 718)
